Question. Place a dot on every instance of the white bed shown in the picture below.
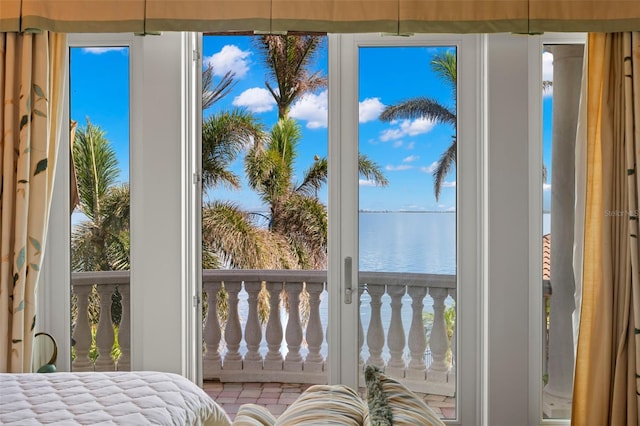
(113, 398)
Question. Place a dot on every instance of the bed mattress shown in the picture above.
(108, 398)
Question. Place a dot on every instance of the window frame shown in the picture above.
(343, 125)
(163, 191)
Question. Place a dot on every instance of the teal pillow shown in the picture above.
(379, 409)
(407, 409)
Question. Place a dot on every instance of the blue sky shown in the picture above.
(406, 150)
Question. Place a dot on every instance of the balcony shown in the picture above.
(274, 329)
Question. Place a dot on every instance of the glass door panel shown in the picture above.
(407, 217)
(265, 226)
(99, 135)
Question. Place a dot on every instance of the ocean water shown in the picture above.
(408, 242)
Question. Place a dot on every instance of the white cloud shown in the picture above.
(255, 100)
(417, 126)
(547, 71)
(230, 58)
(449, 184)
(408, 128)
(366, 182)
(101, 50)
(370, 109)
(391, 134)
(411, 145)
(311, 108)
(410, 159)
(546, 187)
(430, 169)
(397, 144)
(399, 168)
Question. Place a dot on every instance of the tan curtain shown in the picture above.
(31, 86)
(583, 15)
(9, 15)
(83, 16)
(607, 384)
(346, 16)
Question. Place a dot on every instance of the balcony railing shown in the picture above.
(282, 337)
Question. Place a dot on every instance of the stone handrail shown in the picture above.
(289, 343)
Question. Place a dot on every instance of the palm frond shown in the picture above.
(314, 177)
(302, 220)
(229, 232)
(447, 160)
(445, 66)
(419, 108)
(224, 136)
(96, 167)
(370, 170)
(213, 93)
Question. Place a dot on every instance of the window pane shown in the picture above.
(99, 110)
(408, 266)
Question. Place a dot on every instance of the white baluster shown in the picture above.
(360, 329)
(396, 337)
(233, 329)
(104, 333)
(438, 341)
(293, 335)
(273, 360)
(454, 345)
(82, 330)
(253, 330)
(212, 334)
(375, 334)
(314, 334)
(417, 337)
(124, 330)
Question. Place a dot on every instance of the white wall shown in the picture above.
(507, 307)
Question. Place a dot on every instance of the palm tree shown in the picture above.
(296, 235)
(444, 65)
(101, 242)
(288, 58)
(293, 213)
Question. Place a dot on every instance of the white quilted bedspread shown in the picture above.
(113, 398)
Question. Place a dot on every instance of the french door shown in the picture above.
(402, 279)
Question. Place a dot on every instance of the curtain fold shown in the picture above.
(84, 16)
(583, 15)
(607, 384)
(9, 15)
(345, 16)
(207, 15)
(340, 16)
(463, 16)
(31, 86)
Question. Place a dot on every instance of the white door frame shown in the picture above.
(165, 209)
(343, 206)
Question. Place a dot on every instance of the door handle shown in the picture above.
(348, 290)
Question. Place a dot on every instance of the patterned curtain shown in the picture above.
(607, 378)
(31, 87)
